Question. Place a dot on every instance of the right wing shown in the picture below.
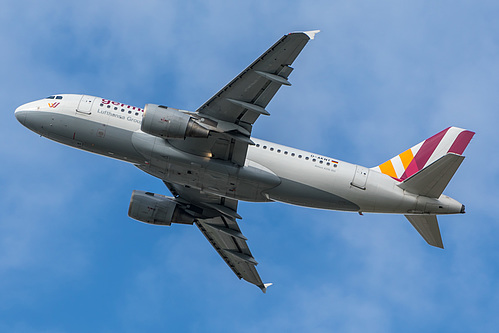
(221, 230)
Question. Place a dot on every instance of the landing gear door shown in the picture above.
(360, 177)
(85, 105)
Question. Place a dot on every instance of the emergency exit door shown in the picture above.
(85, 105)
(360, 177)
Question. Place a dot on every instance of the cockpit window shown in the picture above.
(58, 97)
(50, 97)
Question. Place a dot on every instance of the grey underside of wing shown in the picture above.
(244, 99)
(257, 84)
(222, 231)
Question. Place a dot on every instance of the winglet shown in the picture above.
(265, 286)
(311, 34)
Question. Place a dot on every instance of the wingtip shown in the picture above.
(311, 33)
(265, 286)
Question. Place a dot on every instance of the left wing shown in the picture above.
(221, 229)
(231, 112)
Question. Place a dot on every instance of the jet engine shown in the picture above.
(170, 123)
(157, 209)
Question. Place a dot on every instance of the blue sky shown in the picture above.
(379, 78)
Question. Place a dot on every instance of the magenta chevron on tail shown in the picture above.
(450, 140)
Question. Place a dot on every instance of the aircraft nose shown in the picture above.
(20, 114)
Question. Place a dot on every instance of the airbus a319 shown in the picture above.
(209, 161)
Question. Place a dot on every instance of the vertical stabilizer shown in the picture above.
(451, 140)
(427, 226)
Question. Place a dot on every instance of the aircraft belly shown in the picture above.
(344, 187)
(310, 184)
(208, 175)
(51, 125)
(300, 194)
(386, 197)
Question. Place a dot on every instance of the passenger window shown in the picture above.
(257, 145)
(299, 156)
(278, 150)
(264, 147)
(271, 149)
(285, 152)
(293, 154)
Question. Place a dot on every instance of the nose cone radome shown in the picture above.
(22, 112)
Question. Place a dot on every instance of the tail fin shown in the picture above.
(426, 169)
(451, 140)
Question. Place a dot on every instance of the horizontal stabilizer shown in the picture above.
(432, 180)
(427, 226)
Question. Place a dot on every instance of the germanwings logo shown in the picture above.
(53, 105)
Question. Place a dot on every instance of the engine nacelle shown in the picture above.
(157, 209)
(170, 123)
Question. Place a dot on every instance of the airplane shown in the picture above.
(209, 162)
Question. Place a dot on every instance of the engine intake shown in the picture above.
(157, 209)
(170, 123)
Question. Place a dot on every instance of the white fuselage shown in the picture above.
(271, 172)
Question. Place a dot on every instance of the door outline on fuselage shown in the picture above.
(85, 105)
(360, 177)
